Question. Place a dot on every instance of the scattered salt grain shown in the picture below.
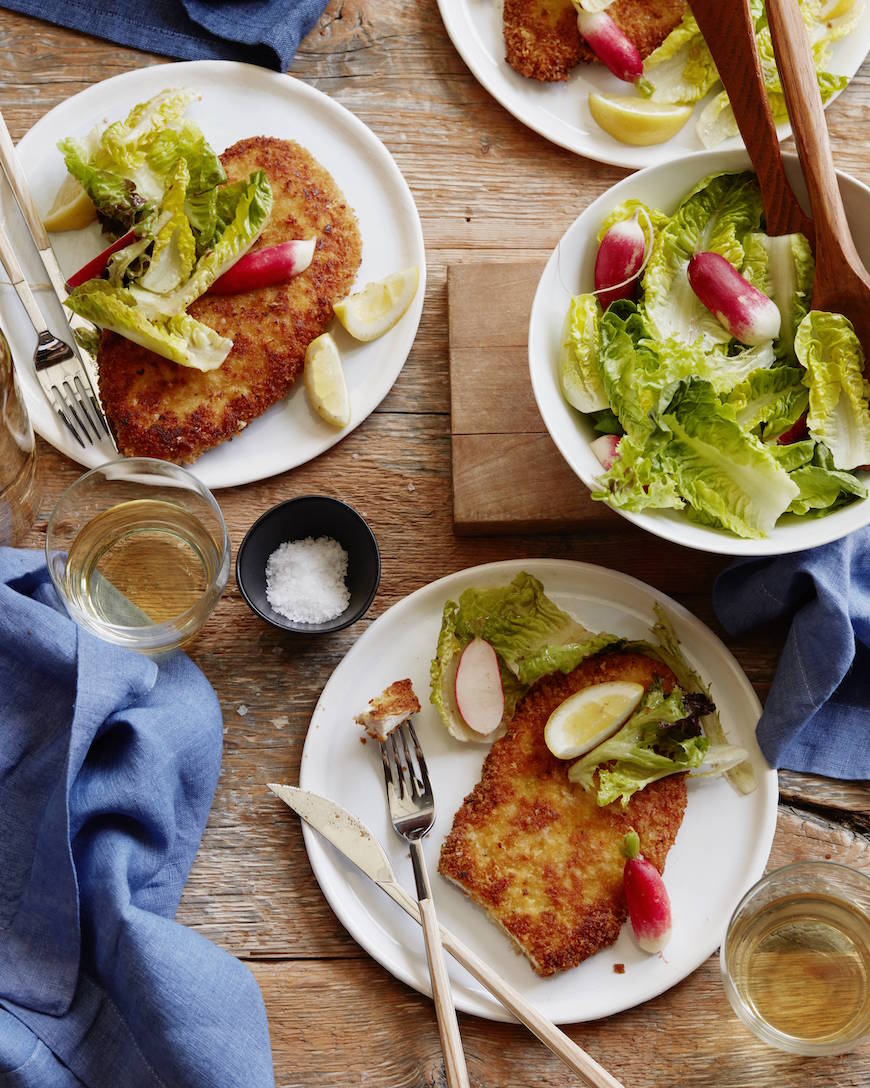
(411, 487)
(241, 710)
(305, 580)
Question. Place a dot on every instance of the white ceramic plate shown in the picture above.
(720, 850)
(238, 100)
(571, 265)
(560, 111)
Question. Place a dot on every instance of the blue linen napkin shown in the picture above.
(817, 715)
(265, 32)
(108, 764)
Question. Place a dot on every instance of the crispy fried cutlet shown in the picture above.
(542, 40)
(389, 709)
(535, 851)
(159, 409)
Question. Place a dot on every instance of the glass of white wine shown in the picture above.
(796, 958)
(138, 550)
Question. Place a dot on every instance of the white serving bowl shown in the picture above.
(571, 268)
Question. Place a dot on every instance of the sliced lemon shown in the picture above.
(378, 307)
(638, 121)
(324, 381)
(589, 717)
(72, 208)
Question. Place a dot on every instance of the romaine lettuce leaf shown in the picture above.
(174, 252)
(180, 338)
(721, 470)
(794, 454)
(253, 206)
(768, 402)
(638, 479)
(115, 198)
(714, 216)
(579, 376)
(681, 69)
(822, 489)
(839, 415)
(783, 269)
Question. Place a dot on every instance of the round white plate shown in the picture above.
(571, 266)
(560, 111)
(720, 850)
(238, 100)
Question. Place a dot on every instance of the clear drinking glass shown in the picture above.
(139, 552)
(796, 958)
(18, 483)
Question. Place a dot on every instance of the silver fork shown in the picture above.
(58, 369)
(412, 810)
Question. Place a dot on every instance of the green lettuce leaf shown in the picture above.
(180, 338)
(639, 479)
(681, 69)
(839, 415)
(794, 454)
(768, 402)
(643, 750)
(822, 487)
(715, 216)
(174, 252)
(782, 268)
(579, 376)
(118, 203)
(606, 422)
(721, 470)
(253, 205)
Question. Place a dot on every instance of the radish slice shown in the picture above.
(479, 693)
(618, 262)
(97, 266)
(646, 896)
(606, 449)
(750, 316)
(795, 433)
(265, 267)
(610, 45)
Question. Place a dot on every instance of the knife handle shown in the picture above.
(545, 1030)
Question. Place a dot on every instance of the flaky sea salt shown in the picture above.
(305, 580)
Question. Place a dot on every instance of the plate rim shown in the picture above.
(321, 859)
(715, 542)
(281, 83)
(461, 30)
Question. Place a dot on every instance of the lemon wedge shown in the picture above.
(590, 716)
(638, 121)
(324, 381)
(378, 307)
(72, 208)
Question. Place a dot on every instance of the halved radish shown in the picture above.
(97, 266)
(265, 267)
(610, 45)
(606, 449)
(748, 314)
(618, 262)
(479, 693)
(649, 906)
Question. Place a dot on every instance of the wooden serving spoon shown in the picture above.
(842, 283)
(728, 32)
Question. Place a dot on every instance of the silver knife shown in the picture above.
(354, 840)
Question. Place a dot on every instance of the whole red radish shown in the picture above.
(265, 267)
(478, 687)
(646, 896)
(748, 314)
(619, 261)
(606, 449)
(610, 45)
(97, 265)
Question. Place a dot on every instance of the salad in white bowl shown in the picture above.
(679, 367)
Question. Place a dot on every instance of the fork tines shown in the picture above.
(65, 387)
(405, 777)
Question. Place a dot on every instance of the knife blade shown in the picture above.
(350, 836)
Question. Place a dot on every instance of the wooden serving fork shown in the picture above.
(728, 32)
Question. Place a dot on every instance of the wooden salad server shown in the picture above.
(842, 283)
(728, 32)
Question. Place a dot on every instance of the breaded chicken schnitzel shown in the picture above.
(159, 409)
(542, 40)
(535, 851)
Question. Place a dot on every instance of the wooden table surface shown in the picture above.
(486, 188)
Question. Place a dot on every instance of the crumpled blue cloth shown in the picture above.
(108, 764)
(817, 715)
(265, 32)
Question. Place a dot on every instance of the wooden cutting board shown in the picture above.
(508, 475)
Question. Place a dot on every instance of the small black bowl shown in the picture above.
(296, 519)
